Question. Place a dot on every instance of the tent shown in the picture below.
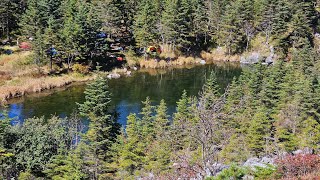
(154, 50)
(25, 46)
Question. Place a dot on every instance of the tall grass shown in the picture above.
(219, 55)
(20, 76)
(23, 85)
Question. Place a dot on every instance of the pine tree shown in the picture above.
(266, 18)
(259, 133)
(184, 25)
(301, 24)
(145, 24)
(10, 12)
(215, 12)
(200, 28)
(158, 155)
(181, 121)
(169, 26)
(161, 122)
(282, 15)
(210, 91)
(103, 128)
(132, 154)
(310, 134)
(147, 121)
(230, 35)
(68, 166)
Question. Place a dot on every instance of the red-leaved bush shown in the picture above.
(300, 165)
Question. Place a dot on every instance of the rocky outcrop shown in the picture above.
(256, 57)
(263, 162)
(252, 58)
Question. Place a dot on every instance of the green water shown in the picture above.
(128, 92)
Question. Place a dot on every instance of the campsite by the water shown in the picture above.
(159, 89)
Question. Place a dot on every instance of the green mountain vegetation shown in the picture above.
(86, 30)
(269, 111)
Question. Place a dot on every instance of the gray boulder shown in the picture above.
(250, 59)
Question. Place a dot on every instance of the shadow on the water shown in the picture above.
(128, 92)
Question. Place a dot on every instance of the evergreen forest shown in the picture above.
(270, 111)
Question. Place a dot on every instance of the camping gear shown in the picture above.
(119, 58)
(25, 46)
(101, 35)
(52, 51)
(8, 51)
(154, 50)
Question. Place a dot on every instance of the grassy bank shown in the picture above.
(171, 59)
(20, 76)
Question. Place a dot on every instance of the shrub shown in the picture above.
(298, 165)
(233, 172)
(265, 172)
(79, 68)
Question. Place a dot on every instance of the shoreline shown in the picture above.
(39, 85)
(34, 85)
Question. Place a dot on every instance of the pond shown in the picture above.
(127, 92)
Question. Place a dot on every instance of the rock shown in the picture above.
(202, 61)
(215, 169)
(267, 160)
(128, 73)
(248, 177)
(250, 59)
(303, 151)
(256, 162)
(113, 76)
(270, 59)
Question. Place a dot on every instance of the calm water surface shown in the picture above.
(127, 92)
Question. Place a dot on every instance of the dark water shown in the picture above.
(128, 92)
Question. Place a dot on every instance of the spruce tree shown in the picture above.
(259, 133)
(161, 122)
(147, 121)
(310, 136)
(230, 35)
(210, 91)
(184, 27)
(169, 25)
(158, 156)
(145, 24)
(132, 154)
(103, 128)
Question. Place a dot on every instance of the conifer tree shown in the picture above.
(210, 91)
(259, 133)
(184, 19)
(10, 10)
(68, 166)
(103, 128)
(147, 121)
(145, 24)
(158, 156)
(132, 154)
(230, 35)
(169, 26)
(310, 134)
(181, 122)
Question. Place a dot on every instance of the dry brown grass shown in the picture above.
(148, 63)
(19, 76)
(219, 55)
(131, 58)
(23, 85)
